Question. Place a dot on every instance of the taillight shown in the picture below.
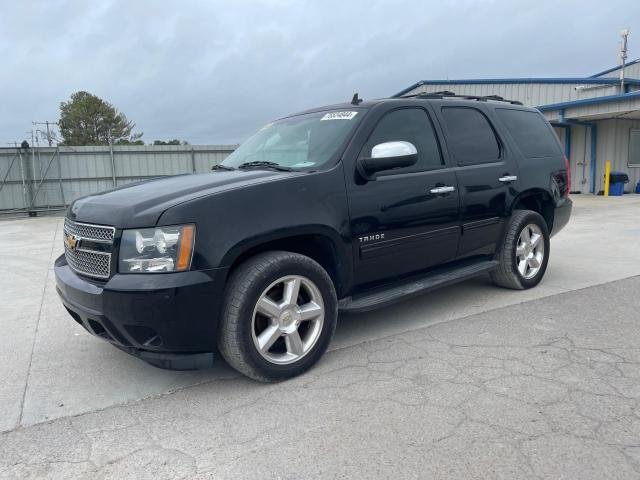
(567, 167)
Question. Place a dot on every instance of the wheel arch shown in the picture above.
(539, 201)
(320, 243)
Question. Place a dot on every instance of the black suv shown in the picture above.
(348, 207)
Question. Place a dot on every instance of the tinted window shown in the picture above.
(470, 136)
(531, 133)
(409, 125)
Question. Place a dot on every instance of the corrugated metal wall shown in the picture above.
(45, 177)
(579, 157)
(630, 71)
(612, 144)
(600, 110)
(532, 94)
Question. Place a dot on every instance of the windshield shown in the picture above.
(301, 142)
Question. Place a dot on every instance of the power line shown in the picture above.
(49, 134)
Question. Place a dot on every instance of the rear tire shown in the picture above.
(524, 253)
(279, 315)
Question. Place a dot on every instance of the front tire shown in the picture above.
(524, 253)
(279, 315)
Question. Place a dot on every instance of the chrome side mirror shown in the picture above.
(387, 156)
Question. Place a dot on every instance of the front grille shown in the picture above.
(87, 262)
(81, 257)
(97, 233)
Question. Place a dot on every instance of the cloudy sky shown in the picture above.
(213, 71)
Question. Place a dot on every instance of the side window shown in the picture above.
(531, 132)
(409, 125)
(470, 136)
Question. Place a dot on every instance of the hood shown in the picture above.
(141, 204)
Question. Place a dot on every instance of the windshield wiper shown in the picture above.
(221, 167)
(261, 163)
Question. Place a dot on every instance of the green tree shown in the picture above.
(88, 120)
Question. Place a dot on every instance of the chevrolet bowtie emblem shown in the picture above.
(71, 241)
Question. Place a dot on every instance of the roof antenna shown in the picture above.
(355, 100)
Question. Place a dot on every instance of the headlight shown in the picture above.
(161, 249)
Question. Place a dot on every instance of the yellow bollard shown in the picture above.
(607, 175)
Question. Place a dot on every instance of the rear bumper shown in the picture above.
(169, 320)
(561, 215)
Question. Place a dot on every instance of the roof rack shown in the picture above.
(448, 94)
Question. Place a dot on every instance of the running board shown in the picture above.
(412, 287)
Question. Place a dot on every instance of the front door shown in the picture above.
(406, 219)
(487, 176)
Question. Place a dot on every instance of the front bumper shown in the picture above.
(169, 320)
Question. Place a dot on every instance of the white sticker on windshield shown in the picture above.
(339, 116)
(303, 164)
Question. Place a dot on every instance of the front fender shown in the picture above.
(232, 222)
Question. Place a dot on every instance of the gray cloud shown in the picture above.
(212, 72)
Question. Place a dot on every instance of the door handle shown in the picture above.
(441, 190)
(508, 179)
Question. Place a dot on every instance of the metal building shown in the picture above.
(596, 118)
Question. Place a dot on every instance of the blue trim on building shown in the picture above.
(478, 81)
(613, 69)
(567, 135)
(407, 90)
(594, 146)
(589, 101)
(561, 116)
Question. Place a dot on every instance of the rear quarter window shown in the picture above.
(531, 132)
(471, 136)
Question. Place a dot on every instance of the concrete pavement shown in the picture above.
(54, 370)
(549, 388)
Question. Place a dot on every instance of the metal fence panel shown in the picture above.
(45, 178)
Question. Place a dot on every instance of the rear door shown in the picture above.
(406, 219)
(541, 160)
(487, 175)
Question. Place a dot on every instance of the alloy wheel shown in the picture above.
(287, 319)
(530, 251)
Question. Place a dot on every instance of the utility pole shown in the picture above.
(113, 161)
(623, 56)
(33, 163)
(48, 132)
(49, 136)
(25, 193)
